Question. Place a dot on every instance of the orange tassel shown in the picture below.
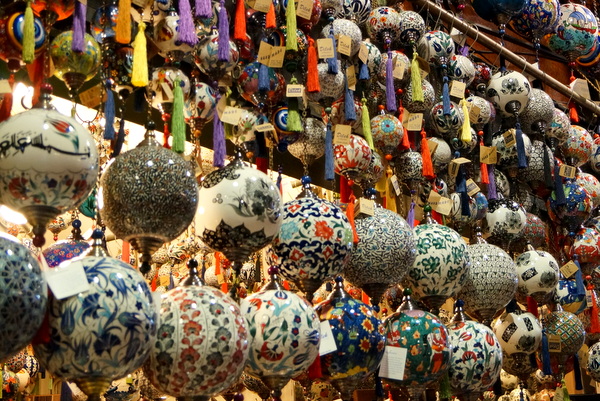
(365, 298)
(239, 32)
(123, 29)
(573, 115)
(154, 282)
(286, 285)
(125, 252)
(485, 179)
(217, 263)
(350, 215)
(271, 22)
(426, 156)
(312, 80)
(405, 145)
(225, 287)
(594, 321)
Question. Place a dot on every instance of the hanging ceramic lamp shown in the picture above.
(141, 190)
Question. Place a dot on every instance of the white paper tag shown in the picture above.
(589, 298)
(67, 280)
(327, 344)
(393, 363)
(581, 87)
(396, 185)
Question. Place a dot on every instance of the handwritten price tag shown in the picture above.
(510, 139)
(262, 5)
(393, 363)
(399, 68)
(232, 115)
(277, 56)
(432, 146)
(351, 77)
(266, 127)
(455, 165)
(365, 206)
(396, 185)
(569, 269)
(93, 96)
(415, 122)
(457, 89)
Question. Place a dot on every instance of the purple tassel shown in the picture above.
(223, 53)
(390, 93)
(446, 97)
(522, 158)
(77, 44)
(349, 111)
(332, 63)
(363, 72)
(120, 139)
(219, 147)
(559, 190)
(329, 170)
(410, 218)
(203, 9)
(263, 77)
(579, 278)
(187, 29)
(464, 51)
(491, 188)
(546, 366)
(109, 114)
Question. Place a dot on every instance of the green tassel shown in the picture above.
(415, 79)
(366, 124)
(291, 41)
(293, 118)
(566, 396)
(177, 121)
(445, 390)
(28, 35)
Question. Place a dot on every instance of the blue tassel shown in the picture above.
(390, 93)
(446, 97)
(263, 78)
(577, 369)
(363, 72)
(332, 63)
(120, 139)
(65, 392)
(546, 366)
(520, 146)
(461, 188)
(559, 191)
(329, 170)
(349, 111)
(579, 278)
(139, 100)
(109, 114)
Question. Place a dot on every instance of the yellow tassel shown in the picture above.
(139, 73)
(415, 79)
(28, 35)
(123, 28)
(465, 135)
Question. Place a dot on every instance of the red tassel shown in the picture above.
(262, 164)
(426, 156)
(314, 370)
(125, 252)
(350, 215)
(594, 321)
(345, 189)
(405, 144)
(239, 32)
(312, 80)
(573, 115)
(532, 306)
(437, 217)
(154, 282)
(286, 285)
(485, 179)
(225, 287)
(217, 263)
(271, 22)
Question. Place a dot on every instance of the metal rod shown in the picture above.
(508, 55)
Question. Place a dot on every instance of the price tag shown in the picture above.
(363, 53)
(351, 76)
(5, 86)
(472, 188)
(415, 122)
(164, 281)
(457, 89)
(399, 68)
(266, 127)
(567, 171)
(232, 115)
(581, 87)
(455, 165)
(439, 203)
(277, 56)
(262, 5)
(424, 66)
(304, 9)
(589, 298)
(67, 280)
(344, 45)
(458, 36)
(569, 269)
(325, 47)
(93, 96)
(510, 139)
(365, 206)
(488, 155)
(474, 112)
(264, 53)
(396, 185)
(327, 344)
(294, 91)
(432, 146)
(342, 134)
(554, 343)
(393, 363)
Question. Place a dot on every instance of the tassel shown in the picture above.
(363, 72)
(263, 78)
(428, 171)
(446, 97)
(203, 9)
(547, 170)
(291, 40)
(171, 281)
(271, 21)
(498, 387)
(312, 79)
(546, 366)
(218, 262)
(177, 119)
(349, 111)
(239, 28)
(410, 217)
(594, 320)
(65, 392)
(445, 390)
(218, 142)
(166, 133)
(329, 165)
(577, 374)
(126, 252)
(120, 139)
(314, 370)
(573, 115)
(350, 215)
(390, 93)
(139, 72)
(123, 28)
(345, 190)
(483, 168)
(223, 53)
(6, 106)
(79, 26)
(491, 189)
(461, 188)
(294, 123)
(579, 277)
(559, 190)
(415, 79)
(379, 393)
(262, 157)
(28, 51)
(187, 29)
(565, 390)
(465, 134)
(405, 144)
(366, 124)
(532, 306)
(332, 63)
(154, 282)
(522, 157)
(109, 114)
